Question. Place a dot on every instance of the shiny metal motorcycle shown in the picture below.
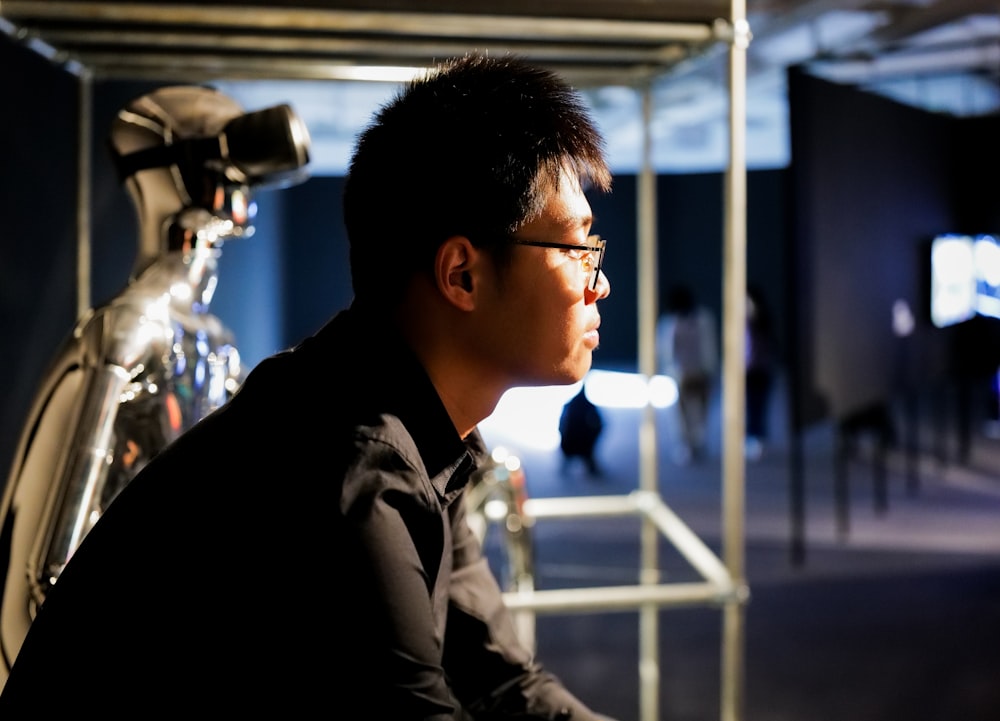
(139, 370)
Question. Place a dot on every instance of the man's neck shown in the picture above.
(468, 391)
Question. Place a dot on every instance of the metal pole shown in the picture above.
(83, 249)
(734, 401)
(649, 662)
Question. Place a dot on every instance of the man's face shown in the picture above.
(544, 315)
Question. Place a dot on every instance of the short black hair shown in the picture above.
(467, 149)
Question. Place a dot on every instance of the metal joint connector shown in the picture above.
(737, 33)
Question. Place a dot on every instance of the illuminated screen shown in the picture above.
(986, 249)
(965, 278)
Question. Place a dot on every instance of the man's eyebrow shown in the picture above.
(576, 221)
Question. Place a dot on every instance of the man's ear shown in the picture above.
(457, 265)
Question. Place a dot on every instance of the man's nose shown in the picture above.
(603, 289)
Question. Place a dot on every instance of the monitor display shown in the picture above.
(986, 252)
(965, 278)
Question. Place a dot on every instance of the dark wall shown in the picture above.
(38, 141)
(871, 181)
(316, 259)
(976, 192)
(691, 209)
(689, 223)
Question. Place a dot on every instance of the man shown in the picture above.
(305, 549)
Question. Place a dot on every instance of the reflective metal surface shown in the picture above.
(496, 499)
(141, 369)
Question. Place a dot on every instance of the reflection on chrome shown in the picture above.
(147, 365)
(495, 499)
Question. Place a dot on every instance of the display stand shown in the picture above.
(317, 40)
(723, 583)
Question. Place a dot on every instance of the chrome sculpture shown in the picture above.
(139, 370)
(496, 498)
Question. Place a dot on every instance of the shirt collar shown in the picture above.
(401, 386)
(450, 481)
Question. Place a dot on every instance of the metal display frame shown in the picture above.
(723, 580)
(136, 44)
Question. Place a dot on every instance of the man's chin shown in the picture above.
(577, 373)
(564, 375)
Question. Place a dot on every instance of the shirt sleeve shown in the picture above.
(493, 674)
(390, 530)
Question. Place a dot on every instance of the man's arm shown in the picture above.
(490, 670)
(404, 645)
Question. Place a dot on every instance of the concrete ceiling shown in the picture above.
(942, 55)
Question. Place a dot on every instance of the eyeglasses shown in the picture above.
(591, 256)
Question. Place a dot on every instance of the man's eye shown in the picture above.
(578, 253)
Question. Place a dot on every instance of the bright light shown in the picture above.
(986, 249)
(495, 509)
(903, 321)
(662, 391)
(377, 73)
(529, 417)
(615, 389)
(502, 455)
(953, 283)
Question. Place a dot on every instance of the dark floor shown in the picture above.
(896, 620)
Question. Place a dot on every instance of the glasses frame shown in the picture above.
(594, 250)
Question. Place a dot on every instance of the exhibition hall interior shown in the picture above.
(838, 557)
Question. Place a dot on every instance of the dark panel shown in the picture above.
(37, 205)
(318, 277)
(871, 180)
(615, 220)
(977, 175)
(113, 222)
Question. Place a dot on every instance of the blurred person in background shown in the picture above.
(760, 371)
(688, 351)
(580, 426)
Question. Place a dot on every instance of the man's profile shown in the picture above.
(305, 546)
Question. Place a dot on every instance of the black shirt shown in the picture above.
(303, 548)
